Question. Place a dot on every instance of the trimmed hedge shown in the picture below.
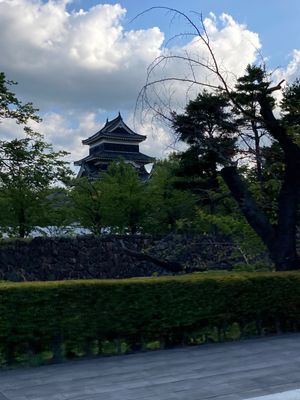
(44, 321)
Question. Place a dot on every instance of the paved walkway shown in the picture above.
(227, 371)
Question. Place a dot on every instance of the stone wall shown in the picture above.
(89, 257)
(83, 257)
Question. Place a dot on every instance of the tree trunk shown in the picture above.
(22, 227)
(284, 253)
(280, 240)
(258, 160)
(132, 223)
(253, 214)
(133, 229)
(283, 249)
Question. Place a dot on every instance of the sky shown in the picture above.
(82, 61)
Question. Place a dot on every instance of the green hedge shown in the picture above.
(42, 321)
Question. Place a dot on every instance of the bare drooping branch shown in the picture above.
(172, 10)
(170, 266)
(250, 101)
(209, 64)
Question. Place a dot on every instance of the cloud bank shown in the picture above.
(81, 66)
(73, 60)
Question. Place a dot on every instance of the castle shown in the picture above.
(113, 142)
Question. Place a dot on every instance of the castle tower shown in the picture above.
(114, 141)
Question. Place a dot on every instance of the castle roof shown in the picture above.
(114, 155)
(115, 129)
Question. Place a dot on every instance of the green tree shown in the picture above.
(252, 131)
(290, 110)
(210, 130)
(252, 98)
(86, 198)
(11, 107)
(167, 207)
(123, 198)
(28, 167)
(277, 228)
(54, 217)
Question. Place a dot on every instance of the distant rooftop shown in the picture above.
(114, 141)
(115, 129)
(114, 155)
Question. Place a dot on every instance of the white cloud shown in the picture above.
(87, 60)
(80, 60)
(233, 46)
(292, 71)
(78, 67)
(288, 75)
(10, 130)
(160, 140)
(57, 129)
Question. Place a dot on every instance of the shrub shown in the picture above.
(44, 321)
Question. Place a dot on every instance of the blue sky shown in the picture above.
(276, 21)
(80, 67)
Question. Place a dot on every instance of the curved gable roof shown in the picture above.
(115, 129)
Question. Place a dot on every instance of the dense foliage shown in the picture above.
(239, 176)
(120, 202)
(235, 137)
(29, 166)
(56, 320)
(11, 107)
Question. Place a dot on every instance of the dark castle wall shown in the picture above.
(83, 257)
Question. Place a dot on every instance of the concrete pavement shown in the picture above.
(226, 371)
